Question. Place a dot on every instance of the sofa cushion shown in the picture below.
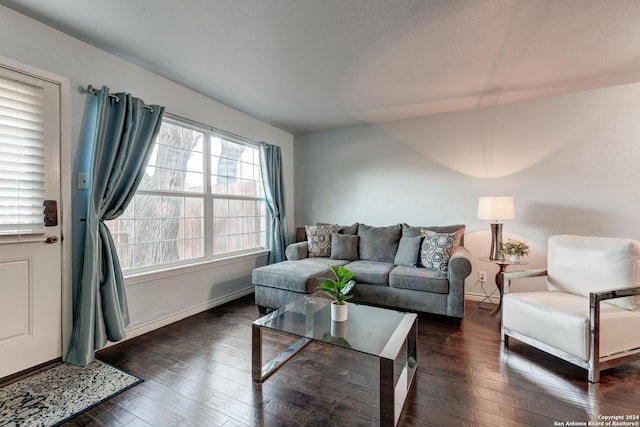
(436, 250)
(304, 275)
(374, 273)
(378, 243)
(319, 239)
(344, 246)
(408, 251)
(349, 229)
(459, 229)
(419, 279)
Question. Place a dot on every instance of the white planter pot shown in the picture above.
(339, 312)
(515, 258)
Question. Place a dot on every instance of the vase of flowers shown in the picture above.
(338, 290)
(515, 249)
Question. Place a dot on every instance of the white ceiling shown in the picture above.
(305, 65)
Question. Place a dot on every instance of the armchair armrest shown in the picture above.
(523, 274)
(506, 277)
(594, 325)
(297, 251)
(596, 297)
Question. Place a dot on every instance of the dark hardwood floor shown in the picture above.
(197, 372)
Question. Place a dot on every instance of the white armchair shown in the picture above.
(590, 313)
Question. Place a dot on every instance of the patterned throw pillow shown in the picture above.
(319, 239)
(436, 250)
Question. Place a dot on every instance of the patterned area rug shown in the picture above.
(52, 397)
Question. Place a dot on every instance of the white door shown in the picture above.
(30, 268)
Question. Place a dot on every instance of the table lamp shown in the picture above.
(496, 208)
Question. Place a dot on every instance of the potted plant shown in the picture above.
(338, 290)
(516, 249)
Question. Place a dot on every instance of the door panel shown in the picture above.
(30, 268)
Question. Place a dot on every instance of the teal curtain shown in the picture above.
(122, 136)
(277, 235)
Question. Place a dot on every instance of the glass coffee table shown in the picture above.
(379, 332)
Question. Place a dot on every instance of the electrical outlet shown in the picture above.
(482, 276)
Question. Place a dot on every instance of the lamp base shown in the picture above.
(496, 241)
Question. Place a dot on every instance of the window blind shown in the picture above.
(21, 158)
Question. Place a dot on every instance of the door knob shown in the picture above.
(50, 239)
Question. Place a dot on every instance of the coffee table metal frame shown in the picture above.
(392, 392)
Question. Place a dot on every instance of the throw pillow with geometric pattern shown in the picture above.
(319, 239)
(436, 250)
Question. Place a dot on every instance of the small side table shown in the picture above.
(502, 266)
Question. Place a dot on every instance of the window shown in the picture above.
(22, 168)
(201, 198)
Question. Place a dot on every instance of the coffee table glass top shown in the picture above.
(368, 329)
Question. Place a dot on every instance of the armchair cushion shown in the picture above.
(561, 320)
(580, 265)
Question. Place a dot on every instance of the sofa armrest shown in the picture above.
(297, 251)
(459, 263)
(458, 270)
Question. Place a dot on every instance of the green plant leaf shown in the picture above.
(348, 287)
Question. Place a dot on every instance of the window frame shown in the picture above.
(208, 198)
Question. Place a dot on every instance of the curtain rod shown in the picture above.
(92, 90)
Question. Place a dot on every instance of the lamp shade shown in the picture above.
(496, 208)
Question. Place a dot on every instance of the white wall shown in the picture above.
(152, 301)
(572, 162)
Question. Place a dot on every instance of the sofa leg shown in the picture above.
(262, 309)
(505, 340)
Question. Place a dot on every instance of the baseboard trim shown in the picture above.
(495, 299)
(143, 328)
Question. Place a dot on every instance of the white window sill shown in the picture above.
(143, 277)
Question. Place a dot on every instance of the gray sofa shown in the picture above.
(388, 263)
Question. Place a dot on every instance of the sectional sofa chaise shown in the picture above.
(400, 266)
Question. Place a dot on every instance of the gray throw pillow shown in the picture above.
(436, 250)
(349, 229)
(459, 229)
(319, 239)
(408, 251)
(378, 243)
(344, 229)
(344, 246)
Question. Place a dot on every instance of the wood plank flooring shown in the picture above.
(197, 372)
